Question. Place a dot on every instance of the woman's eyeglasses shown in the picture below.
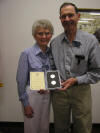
(44, 33)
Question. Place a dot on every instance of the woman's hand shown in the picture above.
(42, 91)
(28, 111)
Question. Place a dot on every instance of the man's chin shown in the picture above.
(67, 29)
(43, 44)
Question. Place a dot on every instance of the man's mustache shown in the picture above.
(67, 23)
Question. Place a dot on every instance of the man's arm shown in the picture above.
(93, 74)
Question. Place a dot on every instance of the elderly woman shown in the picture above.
(36, 58)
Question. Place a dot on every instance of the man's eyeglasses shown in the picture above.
(70, 15)
(44, 33)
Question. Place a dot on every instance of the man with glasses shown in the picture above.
(77, 57)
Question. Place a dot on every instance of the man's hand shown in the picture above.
(68, 83)
(28, 111)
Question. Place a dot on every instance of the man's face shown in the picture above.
(69, 18)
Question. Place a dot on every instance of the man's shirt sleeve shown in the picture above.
(93, 74)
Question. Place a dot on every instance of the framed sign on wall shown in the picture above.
(89, 20)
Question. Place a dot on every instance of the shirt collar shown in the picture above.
(38, 51)
(77, 42)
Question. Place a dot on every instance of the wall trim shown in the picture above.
(21, 124)
(11, 124)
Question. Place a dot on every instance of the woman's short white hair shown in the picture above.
(43, 23)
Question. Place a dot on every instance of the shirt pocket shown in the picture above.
(79, 66)
(35, 66)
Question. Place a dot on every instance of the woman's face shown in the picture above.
(43, 36)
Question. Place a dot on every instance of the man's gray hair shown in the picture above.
(43, 23)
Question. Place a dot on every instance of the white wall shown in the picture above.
(16, 19)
